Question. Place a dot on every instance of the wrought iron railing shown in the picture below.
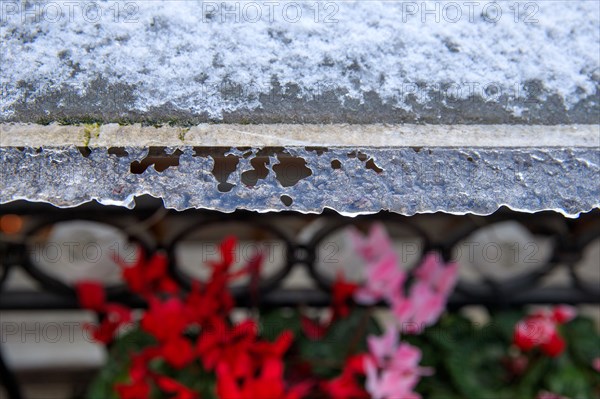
(507, 259)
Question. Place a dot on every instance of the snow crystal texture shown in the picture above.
(213, 58)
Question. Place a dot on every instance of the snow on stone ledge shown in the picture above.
(188, 62)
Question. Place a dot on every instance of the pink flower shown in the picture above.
(533, 331)
(422, 308)
(434, 281)
(563, 313)
(384, 274)
(596, 364)
(549, 395)
(390, 384)
(381, 347)
(442, 278)
(376, 243)
(428, 294)
(384, 280)
(393, 368)
(540, 329)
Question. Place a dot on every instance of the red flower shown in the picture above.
(170, 386)
(206, 304)
(139, 363)
(227, 249)
(525, 336)
(346, 386)
(136, 390)
(266, 350)
(342, 293)
(91, 295)
(178, 352)
(141, 378)
(148, 276)
(356, 364)
(541, 329)
(312, 329)
(212, 300)
(115, 316)
(165, 320)
(238, 349)
(563, 313)
(139, 387)
(230, 346)
(246, 366)
(554, 346)
(269, 384)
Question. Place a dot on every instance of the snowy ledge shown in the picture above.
(191, 62)
(353, 169)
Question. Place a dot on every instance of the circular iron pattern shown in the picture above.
(332, 248)
(502, 288)
(51, 281)
(305, 247)
(225, 226)
(584, 243)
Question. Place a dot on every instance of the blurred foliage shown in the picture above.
(470, 361)
(480, 362)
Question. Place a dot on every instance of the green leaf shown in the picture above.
(346, 337)
(504, 322)
(117, 366)
(274, 322)
(531, 383)
(583, 341)
(567, 380)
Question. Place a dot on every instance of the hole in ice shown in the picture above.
(260, 171)
(158, 157)
(290, 170)
(224, 166)
(287, 200)
(119, 152)
(371, 165)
